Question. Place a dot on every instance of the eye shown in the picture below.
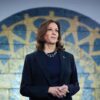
(49, 29)
(56, 30)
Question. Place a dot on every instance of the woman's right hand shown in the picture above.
(55, 92)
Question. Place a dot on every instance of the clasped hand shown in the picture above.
(59, 91)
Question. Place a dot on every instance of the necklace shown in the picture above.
(51, 54)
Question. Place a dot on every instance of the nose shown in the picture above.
(53, 32)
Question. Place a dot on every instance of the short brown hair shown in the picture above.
(42, 31)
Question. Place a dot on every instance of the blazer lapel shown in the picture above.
(62, 57)
(42, 64)
(65, 67)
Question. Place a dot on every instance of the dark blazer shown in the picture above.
(36, 79)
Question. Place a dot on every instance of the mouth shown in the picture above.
(53, 37)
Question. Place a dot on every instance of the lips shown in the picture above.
(53, 37)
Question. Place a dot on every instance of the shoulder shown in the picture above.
(31, 55)
(67, 53)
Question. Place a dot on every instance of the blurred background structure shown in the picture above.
(80, 28)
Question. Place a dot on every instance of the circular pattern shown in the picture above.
(80, 34)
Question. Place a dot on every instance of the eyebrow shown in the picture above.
(51, 27)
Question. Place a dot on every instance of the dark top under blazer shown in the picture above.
(36, 79)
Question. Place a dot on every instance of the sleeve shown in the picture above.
(26, 87)
(74, 84)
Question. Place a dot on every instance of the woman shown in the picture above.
(49, 73)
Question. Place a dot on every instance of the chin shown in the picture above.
(53, 42)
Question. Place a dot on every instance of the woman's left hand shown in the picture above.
(64, 89)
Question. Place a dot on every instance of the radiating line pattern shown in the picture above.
(80, 35)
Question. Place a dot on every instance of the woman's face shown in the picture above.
(51, 35)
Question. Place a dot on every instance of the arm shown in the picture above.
(73, 87)
(27, 88)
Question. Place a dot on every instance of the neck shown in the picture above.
(49, 48)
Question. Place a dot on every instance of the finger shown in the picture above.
(65, 91)
(65, 88)
(59, 94)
